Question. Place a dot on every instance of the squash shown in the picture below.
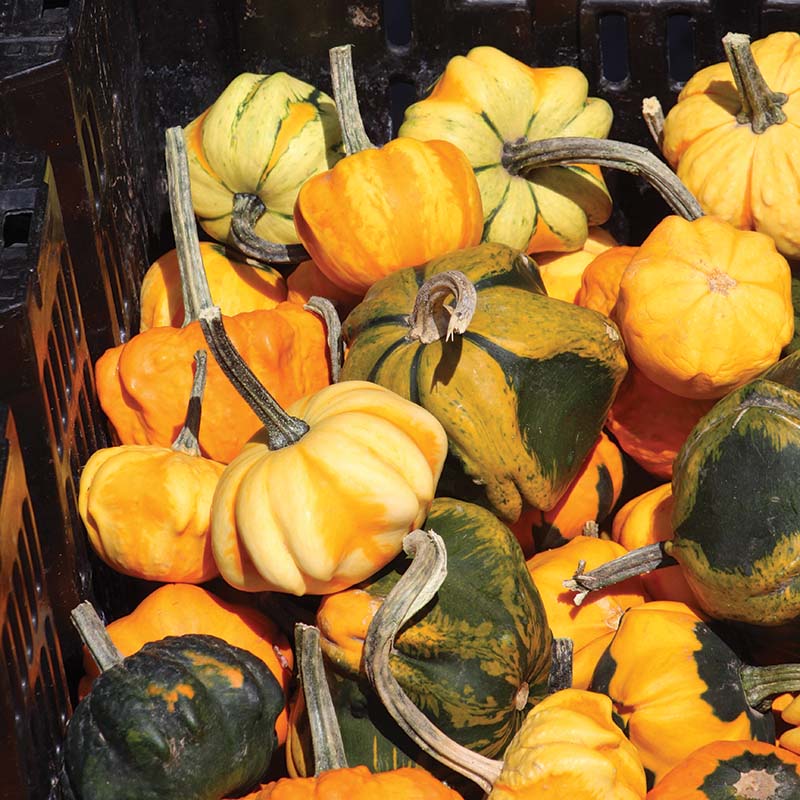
(381, 210)
(264, 135)
(147, 509)
(493, 647)
(142, 383)
(486, 100)
(742, 769)
(175, 609)
(600, 280)
(704, 307)
(308, 281)
(184, 716)
(562, 272)
(592, 624)
(521, 382)
(235, 286)
(590, 498)
(732, 136)
(788, 707)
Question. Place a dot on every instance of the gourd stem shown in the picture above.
(282, 429)
(653, 115)
(523, 157)
(247, 210)
(636, 562)
(761, 684)
(186, 440)
(412, 592)
(561, 666)
(194, 284)
(325, 309)
(431, 319)
(761, 107)
(95, 636)
(354, 136)
(326, 737)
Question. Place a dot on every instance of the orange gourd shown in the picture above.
(308, 281)
(600, 280)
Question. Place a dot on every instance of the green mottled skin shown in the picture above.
(766, 775)
(522, 394)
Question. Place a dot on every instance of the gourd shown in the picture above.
(381, 210)
(235, 286)
(184, 716)
(486, 102)
(520, 381)
(147, 509)
(600, 280)
(175, 609)
(493, 648)
(308, 281)
(264, 136)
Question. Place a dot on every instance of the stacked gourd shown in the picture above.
(497, 405)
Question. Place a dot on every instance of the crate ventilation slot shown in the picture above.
(614, 47)
(16, 228)
(680, 47)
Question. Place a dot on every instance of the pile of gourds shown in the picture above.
(531, 493)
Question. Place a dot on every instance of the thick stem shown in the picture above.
(281, 428)
(653, 115)
(333, 325)
(431, 319)
(186, 440)
(354, 136)
(94, 636)
(194, 284)
(561, 667)
(326, 737)
(761, 107)
(247, 210)
(636, 562)
(523, 158)
(761, 684)
(412, 592)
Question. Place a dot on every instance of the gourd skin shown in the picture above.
(186, 716)
(147, 511)
(735, 173)
(600, 280)
(362, 220)
(264, 135)
(369, 453)
(487, 98)
(235, 287)
(522, 393)
(570, 746)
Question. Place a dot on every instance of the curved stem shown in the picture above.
(431, 320)
(194, 284)
(761, 107)
(95, 636)
(523, 157)
(761, 684)
(186, 440)
(412, 592)
(636, 562)
(281, 428)
(653, 115)
(354, 136)
(561, 667)
(326, 736)
(247, 210)
(333, 325)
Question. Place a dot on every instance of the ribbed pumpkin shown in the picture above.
(743, 769)
(788, 707)
(732, 136)
(492, 654)
(522, 383)
(592, 624)
(600, 280)
(235, 287)
(486, 99)
(308, 281)
(264, 135)
(704, 307)
(590, 498)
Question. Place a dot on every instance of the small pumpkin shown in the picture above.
(486, 100)
(788, 707)
(184, 716)
(740, 769)
(235, 286)
(591, 625)
(264, 135)
(308, 281)
(361, 220)
(147, 509)
(600, 280)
